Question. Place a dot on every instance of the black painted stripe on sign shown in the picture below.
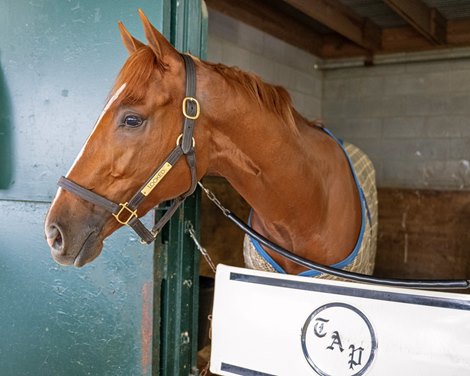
(387, 296)
(242, 371)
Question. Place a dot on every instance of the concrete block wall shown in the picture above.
(413, 120)
(236, 44)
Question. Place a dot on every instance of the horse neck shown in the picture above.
(263, 160)
(291, 177)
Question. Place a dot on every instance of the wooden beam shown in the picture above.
(336, 47)
(458, 32)
(399, 39)
(403, 39)
(261, 15)
(342, 20)
(428, 21)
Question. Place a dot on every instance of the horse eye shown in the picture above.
(132, 121)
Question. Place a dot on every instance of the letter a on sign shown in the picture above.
(336, 341)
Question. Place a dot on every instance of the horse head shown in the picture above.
(138, 128)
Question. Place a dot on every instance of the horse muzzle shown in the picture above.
(73, 234)
(78, 252)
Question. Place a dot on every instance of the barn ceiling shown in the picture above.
(351, 28)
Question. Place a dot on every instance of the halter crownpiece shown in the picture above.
(126, 213)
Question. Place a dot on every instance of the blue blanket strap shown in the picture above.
(349, 259)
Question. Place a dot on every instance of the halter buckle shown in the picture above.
(154, 235)
(179, 139)
(125, 208)
(198, 108)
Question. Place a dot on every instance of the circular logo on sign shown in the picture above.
(338, 340)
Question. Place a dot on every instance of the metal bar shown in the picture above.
(176, 293)
(399, 58)
(179, 298)
(6, 126)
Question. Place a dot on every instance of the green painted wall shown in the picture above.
(58, 60)
(65, 321)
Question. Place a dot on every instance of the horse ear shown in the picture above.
(129, 41)
(156, 40)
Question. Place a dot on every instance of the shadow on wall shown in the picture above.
(6, 150)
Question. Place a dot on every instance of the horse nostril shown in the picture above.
(58, 241)
(55, 239)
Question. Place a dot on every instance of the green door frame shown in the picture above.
(176, 275)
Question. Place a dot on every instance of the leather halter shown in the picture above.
(126, 213)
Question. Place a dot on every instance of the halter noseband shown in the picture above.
(126, 213)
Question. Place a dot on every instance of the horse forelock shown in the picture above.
(137, 72)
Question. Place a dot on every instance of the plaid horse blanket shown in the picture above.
(364, 260)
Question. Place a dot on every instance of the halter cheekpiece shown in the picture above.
(126, 213)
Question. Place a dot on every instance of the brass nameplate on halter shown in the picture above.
(159, 175)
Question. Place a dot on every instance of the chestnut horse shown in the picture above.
(296, 176)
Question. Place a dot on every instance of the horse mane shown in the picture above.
(139, 67)
(273, 98)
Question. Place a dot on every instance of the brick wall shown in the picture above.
(412, 119)
(234, 43)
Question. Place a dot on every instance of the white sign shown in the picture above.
(272, 324)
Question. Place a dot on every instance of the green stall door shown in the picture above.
(58, 60)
